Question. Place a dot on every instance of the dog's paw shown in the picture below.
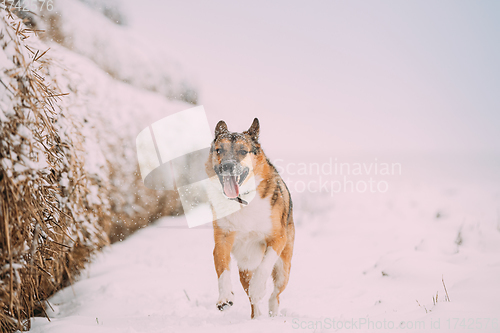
(225, 303)
(257, 289)
(273, 306)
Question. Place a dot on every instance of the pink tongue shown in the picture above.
(231, 188)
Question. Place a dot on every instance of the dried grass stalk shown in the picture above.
(54, 212)
(49, 229)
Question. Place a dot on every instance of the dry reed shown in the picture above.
(54, 214)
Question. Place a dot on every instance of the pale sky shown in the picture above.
(339, 76)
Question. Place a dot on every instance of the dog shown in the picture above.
(260, 235)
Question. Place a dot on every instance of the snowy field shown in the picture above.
(369, 262)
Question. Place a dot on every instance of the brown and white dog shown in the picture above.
(260, 234)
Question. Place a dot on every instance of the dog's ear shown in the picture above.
(220, 128)
(253, 131)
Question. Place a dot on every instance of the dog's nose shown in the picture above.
(227, 167)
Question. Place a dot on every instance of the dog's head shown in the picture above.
(232, 156)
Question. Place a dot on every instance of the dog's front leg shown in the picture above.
(222, 257)
(257, 288)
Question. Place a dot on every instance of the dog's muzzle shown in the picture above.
(231, 176)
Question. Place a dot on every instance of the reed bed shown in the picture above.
(55, 212)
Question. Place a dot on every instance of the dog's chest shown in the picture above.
(254, 218)
(252, 225)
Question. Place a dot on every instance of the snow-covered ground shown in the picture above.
(363, 261)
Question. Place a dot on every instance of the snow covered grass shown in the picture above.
(374, 261)
(114, 113)
(49, 225)
(68, 169)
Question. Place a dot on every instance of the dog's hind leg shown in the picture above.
(245, 277)
(281, 274)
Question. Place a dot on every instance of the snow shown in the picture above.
(117, 50)
(381, 257)
(358, 257)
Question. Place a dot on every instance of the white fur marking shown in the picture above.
(248, 250)
(225, 292)
(257, 288)
(280, 279)
(256, 311)
(252, 224)
(273, 306)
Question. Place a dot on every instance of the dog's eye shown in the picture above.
(243, 152)
(218, 150)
